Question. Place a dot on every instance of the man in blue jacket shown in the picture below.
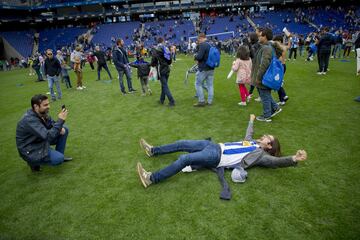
(36, 131)
(121, 63)
(204, 74)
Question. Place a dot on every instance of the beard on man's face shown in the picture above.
(44, 112)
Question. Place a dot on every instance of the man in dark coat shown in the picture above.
(121, 62)
(36, 131)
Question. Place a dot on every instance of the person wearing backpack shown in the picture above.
(161, 59)
(205, 72)
(121, 63)
(260, 65)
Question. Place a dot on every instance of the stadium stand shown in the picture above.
(56, 38)
(22, 41)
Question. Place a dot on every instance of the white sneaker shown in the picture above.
(188, 169)
(83, 87)
(242, 103)
(79, 88)
(323, 73)
(319, 73)
(248, 98)
(258, 99)
(281, 103)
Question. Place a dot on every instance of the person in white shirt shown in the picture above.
(263, 152)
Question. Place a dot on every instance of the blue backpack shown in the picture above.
(213, 59)
(274, 75)
(167, 54)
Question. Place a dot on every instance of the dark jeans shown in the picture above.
(281, 91)
(269, 105)
(202, 153)
(67, 81)
(293, 50)
(38, 73)
(324, 58)
(165, 91)
(347, 51)
(310, 53)
(282, 94)
(100, 66)
(128, 79)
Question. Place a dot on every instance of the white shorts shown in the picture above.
(358, 60)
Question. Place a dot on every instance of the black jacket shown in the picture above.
(34, 136)
(160, 62)
(357, 42)
(202, 55)
(325, 42)
(120, 58)
(52, 67)
(143, 68)
(100, 55)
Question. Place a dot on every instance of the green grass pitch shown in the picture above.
(99, 196)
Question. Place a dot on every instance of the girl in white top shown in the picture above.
(242, 66)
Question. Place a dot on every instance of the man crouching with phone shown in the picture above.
(36, 131)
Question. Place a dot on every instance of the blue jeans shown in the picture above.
(51, 81)
(128, 78)
(269, 105)
(57, 156)
(165, 91)
(336, 49)
(202, 153)
(208, 77)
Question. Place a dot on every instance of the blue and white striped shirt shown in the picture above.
(233, 152)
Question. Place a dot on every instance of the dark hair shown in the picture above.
(267, 32)
(275, 148)
(160, 40)
(37, 99)
(118, 41)
(253, 38)
(278, 38)
(243, 52)
(202, 35)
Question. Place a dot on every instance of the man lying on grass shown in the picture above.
(263, 152)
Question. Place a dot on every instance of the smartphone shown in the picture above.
(63, 107)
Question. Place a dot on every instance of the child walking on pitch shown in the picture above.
(242, 66)
(143, 70)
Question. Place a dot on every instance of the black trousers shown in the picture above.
(293, 50)
(324, 58)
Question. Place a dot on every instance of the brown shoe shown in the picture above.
(200, 104)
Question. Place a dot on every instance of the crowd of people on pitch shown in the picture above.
(36, 131)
